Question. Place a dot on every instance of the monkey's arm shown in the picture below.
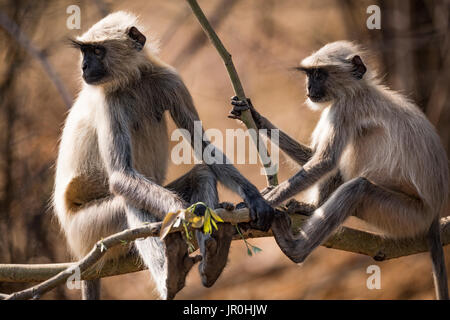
(184, 114)
(295, 150)
(115, 149)
(323, 161)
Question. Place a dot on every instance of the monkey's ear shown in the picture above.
(138, 37)
(359, 69)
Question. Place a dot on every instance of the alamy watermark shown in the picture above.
(74, 20)
(374, 280)
(73, 282)
(374, 20)
(236, 143)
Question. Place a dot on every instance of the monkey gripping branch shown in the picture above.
(52, 275)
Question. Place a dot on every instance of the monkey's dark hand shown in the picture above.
(267, 190)
(179, 263)
(214, 247)
(294, 206)
(242, 105)
(261, 213)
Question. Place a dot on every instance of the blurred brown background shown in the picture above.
(267, 38)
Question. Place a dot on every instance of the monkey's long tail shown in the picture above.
(438, 260)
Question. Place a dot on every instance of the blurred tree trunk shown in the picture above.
(24, 224)
(418, 31)
(413, 45)
(8, 107)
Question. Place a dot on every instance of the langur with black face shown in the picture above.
(374, 155)
(113, 158)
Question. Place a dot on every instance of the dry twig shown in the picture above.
(246, 117)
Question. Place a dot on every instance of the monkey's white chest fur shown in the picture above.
(79, 151)
(365, 153)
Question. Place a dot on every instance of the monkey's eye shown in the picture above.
(99, 52)
(320, 74)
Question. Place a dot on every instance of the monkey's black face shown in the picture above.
(317, 78)
(94, 71)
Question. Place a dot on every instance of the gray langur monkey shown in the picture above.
(374, 155)
(113, 157)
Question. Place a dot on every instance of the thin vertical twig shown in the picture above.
(200, 39)
(246, 117)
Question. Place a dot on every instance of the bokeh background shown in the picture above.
(39, 78)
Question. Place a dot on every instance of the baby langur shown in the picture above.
(113, 158)
(374, 155)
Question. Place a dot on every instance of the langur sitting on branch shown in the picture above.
(113, 159)
(374, 155)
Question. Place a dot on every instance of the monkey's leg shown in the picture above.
(357, 197)
(90, 289)
(328, 187)
(168, 261)
(399, 215)
(200, 184)
(343, 202)
(88, 225)
(438, 260)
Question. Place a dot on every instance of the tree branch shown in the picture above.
(246, 116)
(199, 39)
(346, 239)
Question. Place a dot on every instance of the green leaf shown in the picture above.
(240, 233)
(214, 224)
(215, 216)
(256, 249)
(191, 247)
(207, 224)
(188, 235)
(248, 245)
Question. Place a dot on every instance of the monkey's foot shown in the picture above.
(266, 190)
(214, 249)
(294, 206)
(288, 243)
(178, 262)
(226, 205)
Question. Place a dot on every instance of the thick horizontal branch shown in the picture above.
(346, 239)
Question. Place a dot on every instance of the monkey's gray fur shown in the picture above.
(113, 158)
(374, 155)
